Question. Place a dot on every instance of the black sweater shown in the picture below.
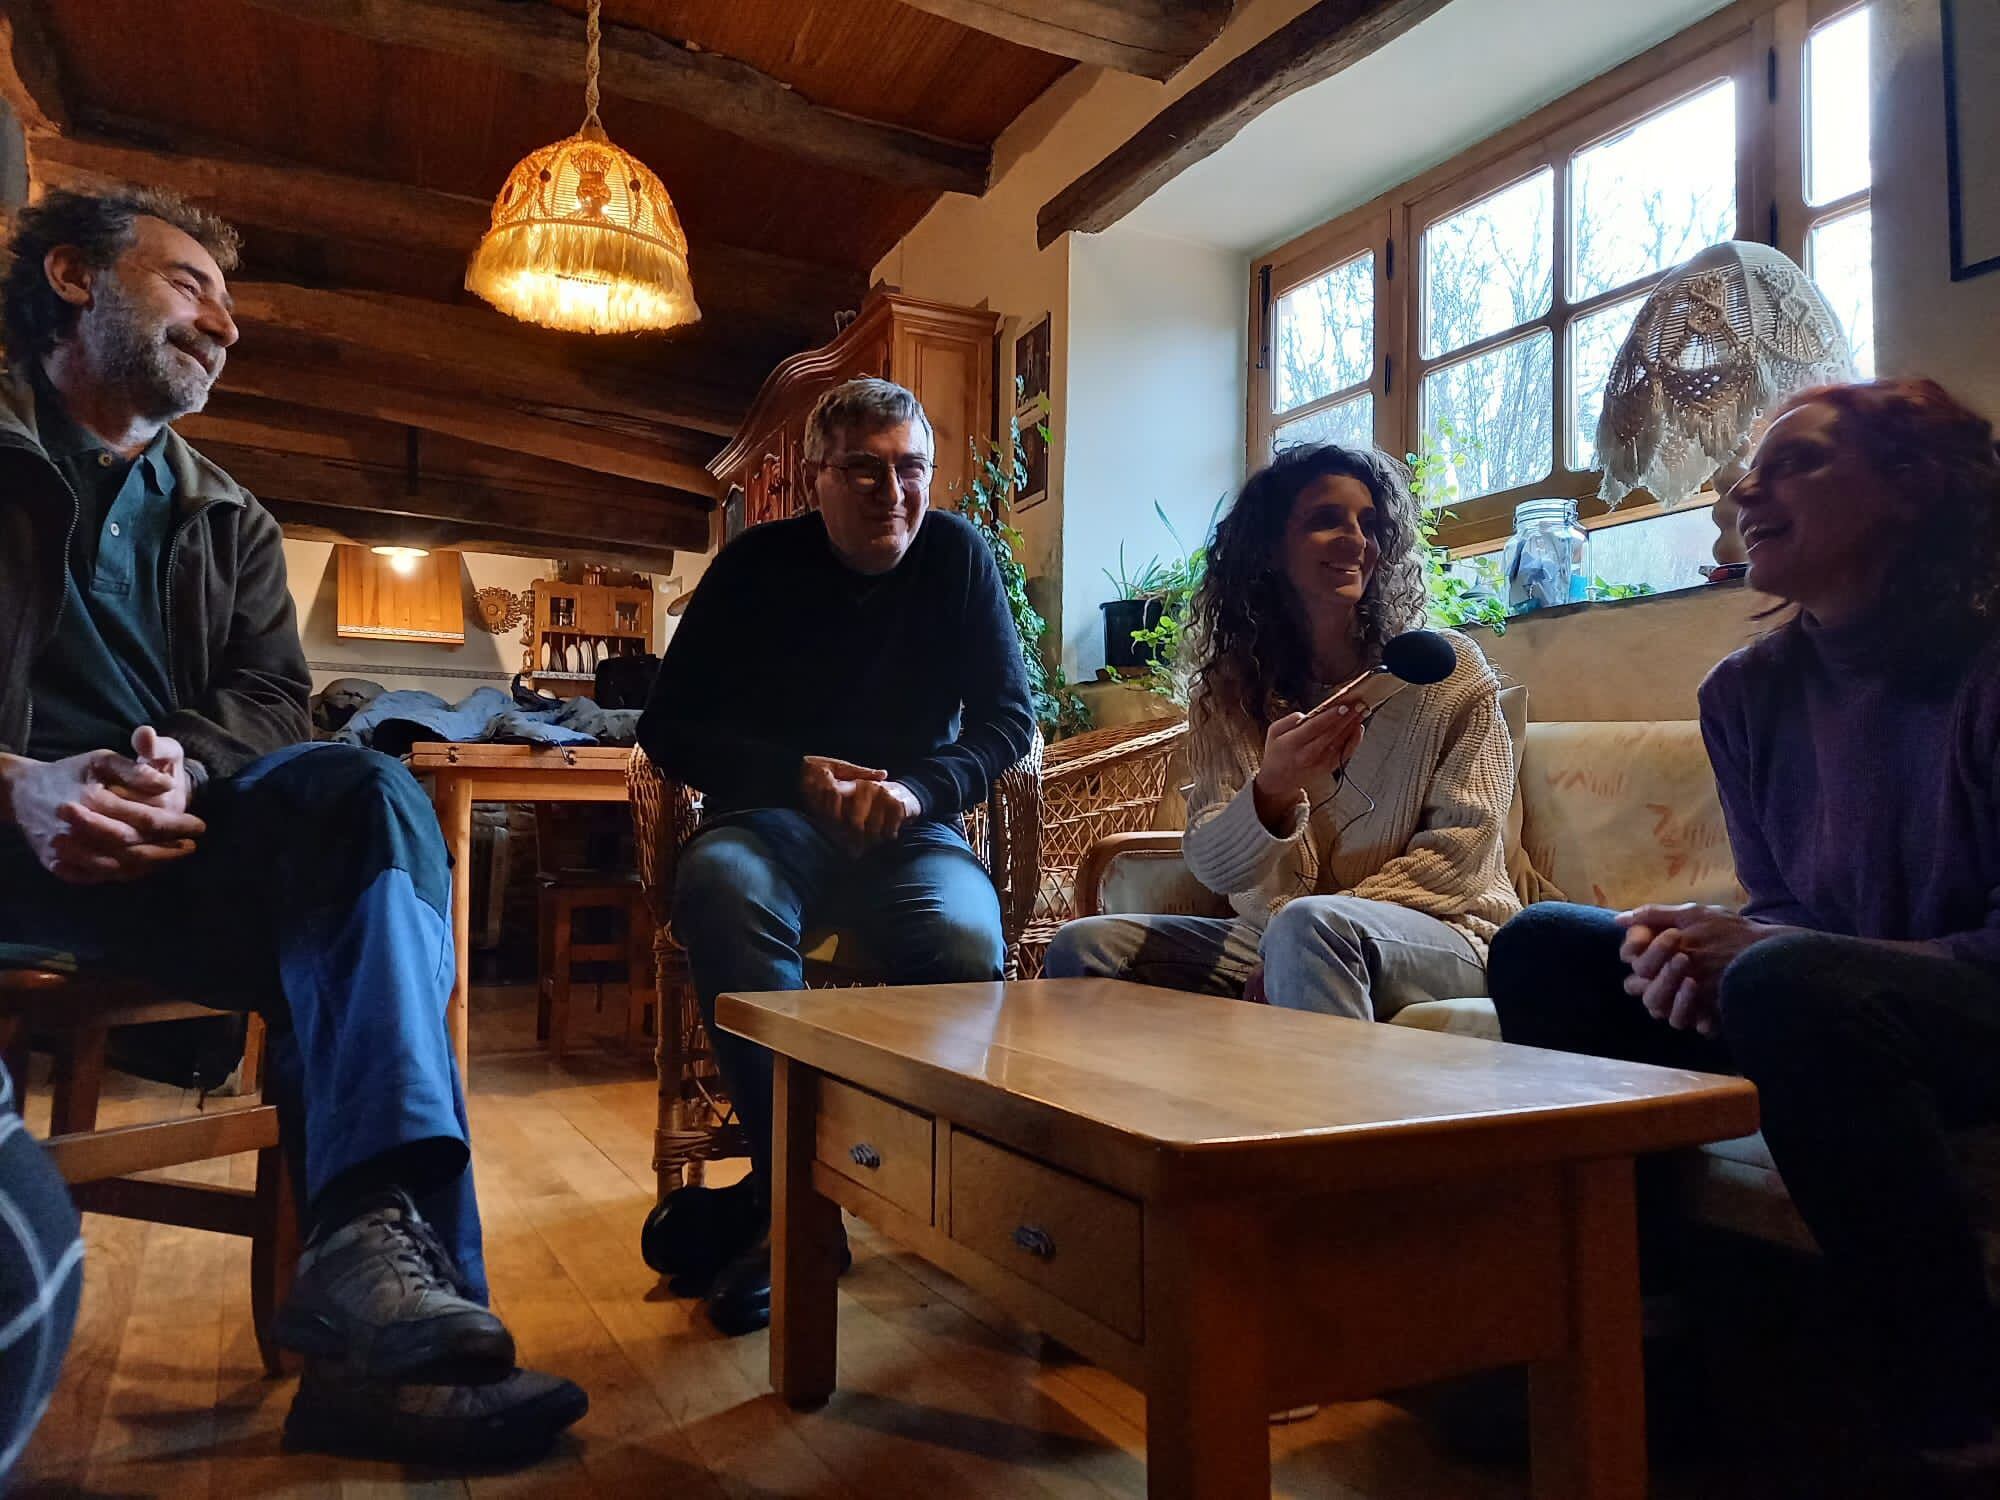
(785, 652)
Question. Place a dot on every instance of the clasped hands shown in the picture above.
(1677, 955)
(859, 804)
(101, 817)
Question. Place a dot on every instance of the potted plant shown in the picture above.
(1135, 606)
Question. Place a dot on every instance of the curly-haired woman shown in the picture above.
(1363, 861)
(1857, 751)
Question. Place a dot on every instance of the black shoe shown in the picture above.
(741, 1300)
(495, 1424)
(379, 1298)
(697, 1231)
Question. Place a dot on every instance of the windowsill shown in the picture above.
(1565, 611)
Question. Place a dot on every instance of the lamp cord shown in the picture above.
(593, 32)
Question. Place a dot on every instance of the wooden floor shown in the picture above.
(941, 1397)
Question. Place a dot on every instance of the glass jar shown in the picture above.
(1547, 560)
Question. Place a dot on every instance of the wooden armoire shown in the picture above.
(943, 353)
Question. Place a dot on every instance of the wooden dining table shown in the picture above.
(464, 774)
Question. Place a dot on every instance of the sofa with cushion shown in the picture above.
(1610, 814)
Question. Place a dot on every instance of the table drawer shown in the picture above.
(1075, 1240)
(883, 1146)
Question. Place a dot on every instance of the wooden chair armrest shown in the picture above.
(1087, 896)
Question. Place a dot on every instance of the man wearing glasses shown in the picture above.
(843, 685)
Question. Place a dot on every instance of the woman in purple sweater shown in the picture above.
(1857, 750)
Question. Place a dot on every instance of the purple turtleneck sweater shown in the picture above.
(1862, 799)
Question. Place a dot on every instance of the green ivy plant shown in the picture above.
(987, 502)
(1453, 601)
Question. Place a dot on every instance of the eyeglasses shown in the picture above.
(865, 473)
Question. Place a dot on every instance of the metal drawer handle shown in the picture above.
(1035, 1241)
(865, 1155)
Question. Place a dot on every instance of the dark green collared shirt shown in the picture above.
(105, 670)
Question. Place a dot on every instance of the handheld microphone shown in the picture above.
(1416, 656)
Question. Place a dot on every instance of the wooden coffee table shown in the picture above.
(1238, 1209)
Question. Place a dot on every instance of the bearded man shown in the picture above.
(162, 813)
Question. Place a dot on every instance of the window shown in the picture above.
(1529, 258)
(1837, 177)
(1323, 357)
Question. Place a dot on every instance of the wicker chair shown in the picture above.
(696, 1123)
(1101, 782)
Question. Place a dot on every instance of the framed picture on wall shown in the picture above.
(1972, 134)
(1031, 410)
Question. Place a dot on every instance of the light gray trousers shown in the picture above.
(1340, 955)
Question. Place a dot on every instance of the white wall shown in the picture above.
(1925, 323)
(1157, 330)
(981, 252)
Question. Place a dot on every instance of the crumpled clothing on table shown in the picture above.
(395, 721)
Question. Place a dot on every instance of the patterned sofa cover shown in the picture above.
(1613, 814)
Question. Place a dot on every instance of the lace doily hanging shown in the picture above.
(1719, 342)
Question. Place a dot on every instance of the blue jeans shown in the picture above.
(320, 897)
(751, 885)
(1338, 955)
(1864, 1058)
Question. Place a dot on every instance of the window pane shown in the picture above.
(1594, 342)
(1839, 258)
(1837, 108)
(1487, 267)
(1653, 195)
(1325, 338)
(1665, 551)
(1351, 424)
(1490, 416)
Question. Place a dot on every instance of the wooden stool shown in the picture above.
(560, 899)
(74, 1012)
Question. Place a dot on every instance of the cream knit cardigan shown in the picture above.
(1437, 763)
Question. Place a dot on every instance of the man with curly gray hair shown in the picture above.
(845, 683)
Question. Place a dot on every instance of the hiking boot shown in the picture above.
(380, 1298)
(495, 1424)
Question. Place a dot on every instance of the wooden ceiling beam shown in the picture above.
(29, 77)
(587, 447)
(1153, 38)
(1320, 42)
(568, 370)
(308, 522)
(303, 478)
(248, 421)
(743, 283)
(732, 96)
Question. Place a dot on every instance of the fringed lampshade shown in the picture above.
(584, 236)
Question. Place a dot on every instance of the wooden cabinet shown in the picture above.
(943, 353)
(579, 624)
(399, 598)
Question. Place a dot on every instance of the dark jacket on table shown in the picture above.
(784, 652)
(239, 674)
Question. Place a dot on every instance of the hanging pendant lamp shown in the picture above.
(584, 236)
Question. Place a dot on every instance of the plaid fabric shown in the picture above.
(41, 1279)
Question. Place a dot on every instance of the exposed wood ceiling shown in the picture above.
(358, 143)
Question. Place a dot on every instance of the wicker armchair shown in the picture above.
(1101, 782)
(696, 1123)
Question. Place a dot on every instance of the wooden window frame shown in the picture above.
(1319, 253)
(1760, 44)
